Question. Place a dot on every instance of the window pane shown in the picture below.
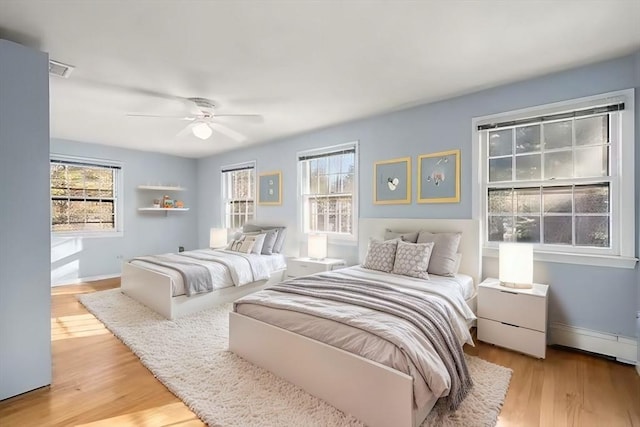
(500, 228)
(592, 231)
(528, 167)
(592, 198)
(557, 200)
(500, 201)
(592, 161)
(334, 164)
(592, 130)
(527, 139)
(527, 200)
(557, 135)
(334, 183)
(558, 165)
(527, 229)
(500, 169)
(501, 143)
(557, 230)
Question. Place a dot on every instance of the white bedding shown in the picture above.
(220, 274)
(356, 340)
(462, 282)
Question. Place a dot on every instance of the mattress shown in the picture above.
(359, 341)
(219, 273)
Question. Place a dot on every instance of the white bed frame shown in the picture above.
(375, 394)
(155, 290)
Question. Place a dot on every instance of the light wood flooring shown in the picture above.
(97, 381)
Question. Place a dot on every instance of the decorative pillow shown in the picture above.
(241, 245)
(405, 237)
(412, 259)
(444, 254)
(258, 241)
(381, 255)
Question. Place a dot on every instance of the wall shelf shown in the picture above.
(164, 209)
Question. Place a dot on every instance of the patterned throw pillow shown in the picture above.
(381, 255)
(241, 245)
(412, 259)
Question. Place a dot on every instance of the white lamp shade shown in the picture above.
(202, 130)
(217, 237)
(516, 264)
(317, 246)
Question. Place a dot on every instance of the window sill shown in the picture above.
(566, 258)
(73, 235)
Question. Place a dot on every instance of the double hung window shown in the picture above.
(238, 194)
(557, 180)
(328, 188)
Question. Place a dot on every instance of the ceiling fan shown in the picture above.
(203, 120)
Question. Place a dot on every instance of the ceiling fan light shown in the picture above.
(202, 130)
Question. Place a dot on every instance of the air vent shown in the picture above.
(59, 69)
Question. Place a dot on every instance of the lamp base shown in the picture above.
(516, 285)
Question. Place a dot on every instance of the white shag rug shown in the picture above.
(190, 357)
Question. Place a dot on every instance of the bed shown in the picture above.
(373, 392)
(163, 289)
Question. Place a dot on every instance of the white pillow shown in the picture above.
(405, 237)
(258, 241)
(241, 245)
(381, 255)
(412, 259)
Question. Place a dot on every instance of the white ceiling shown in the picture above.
(303, 65)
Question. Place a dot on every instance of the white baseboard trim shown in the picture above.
(85, 279)
(624, 349)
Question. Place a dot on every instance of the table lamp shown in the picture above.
(516, 265)
(317, 246)
(217, 238)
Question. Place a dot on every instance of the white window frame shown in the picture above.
(118, 230)
(622, 187)
(336, 238)
(223, 190)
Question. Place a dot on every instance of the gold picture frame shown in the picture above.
(392, 181)
(270, 188)
(439, 177)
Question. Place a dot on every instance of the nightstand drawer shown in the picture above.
(301, 268)
(511, 307)
(520, 339)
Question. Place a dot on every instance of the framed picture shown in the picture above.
(392, 181)
(439, 177)
(270, 188)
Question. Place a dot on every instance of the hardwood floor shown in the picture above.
(97, 381)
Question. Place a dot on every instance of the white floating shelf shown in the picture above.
(161, 188)
(164, 209)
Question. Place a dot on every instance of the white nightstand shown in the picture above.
(513, 318)
(305, 266)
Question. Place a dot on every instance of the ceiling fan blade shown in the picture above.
(162, 117)
(227, 131)
(255, 118)
(185, 131)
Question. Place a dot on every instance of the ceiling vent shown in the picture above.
(59, 69)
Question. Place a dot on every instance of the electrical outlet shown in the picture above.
(118, 256)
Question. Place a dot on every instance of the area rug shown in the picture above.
(190, 357)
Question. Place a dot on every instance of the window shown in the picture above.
(328, 188)
(84, 196)
(238, 194)
(556, 179)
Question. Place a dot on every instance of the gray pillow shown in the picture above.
(381, 255)
(405, 237)
(444, 255)
(282, 233)
(412, 259)
(269, 241)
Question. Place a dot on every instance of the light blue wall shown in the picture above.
(144, 233)
(601, 299)
(25, 299)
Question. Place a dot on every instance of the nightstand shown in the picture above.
(513, 318)
(305, 266)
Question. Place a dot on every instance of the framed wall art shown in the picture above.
(270, 188)
(439, 177)
(392, 181)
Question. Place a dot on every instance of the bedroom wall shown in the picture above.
(601, 299)
(25, 299)
(144, 233)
